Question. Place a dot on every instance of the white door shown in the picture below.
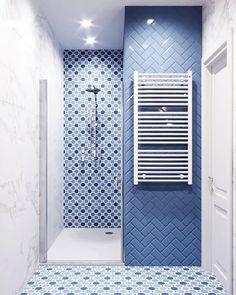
(220, 179)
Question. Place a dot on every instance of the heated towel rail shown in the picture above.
(163, 127)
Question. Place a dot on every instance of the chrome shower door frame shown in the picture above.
(43, 175)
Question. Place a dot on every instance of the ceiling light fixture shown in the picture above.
(150, 21)
(86, 23)
(90, 40)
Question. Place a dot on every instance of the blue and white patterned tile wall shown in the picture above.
(91, 195)
(162, 223)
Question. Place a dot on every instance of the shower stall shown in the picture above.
(84, 224)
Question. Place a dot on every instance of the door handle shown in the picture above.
(211, 184)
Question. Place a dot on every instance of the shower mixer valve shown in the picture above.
(117, 180)
(83, 154)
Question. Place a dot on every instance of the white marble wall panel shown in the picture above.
(28, 52)
(219, 17)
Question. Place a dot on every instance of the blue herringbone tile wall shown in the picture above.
(162, 222)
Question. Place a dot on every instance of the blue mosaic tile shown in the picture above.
(91, 196)
(119, 280)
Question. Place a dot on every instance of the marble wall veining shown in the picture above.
(27, 54)
(219, 19)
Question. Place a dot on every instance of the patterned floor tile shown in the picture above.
(119, 280)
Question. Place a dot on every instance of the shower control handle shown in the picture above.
(117, 181)
(83, 154)
(211, 184)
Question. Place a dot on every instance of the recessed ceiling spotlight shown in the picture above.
(90, 40)
(150, 21)
(86, 23)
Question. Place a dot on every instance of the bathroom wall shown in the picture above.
(219, 19)
(162, 222)
(92, 197)
(28, 52)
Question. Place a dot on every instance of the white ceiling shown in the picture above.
(107, 16)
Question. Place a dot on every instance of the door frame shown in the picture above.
(225, 48)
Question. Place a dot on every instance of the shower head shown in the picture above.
(93, 89)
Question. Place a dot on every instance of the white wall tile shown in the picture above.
(28, 52)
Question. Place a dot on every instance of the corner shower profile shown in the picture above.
(93, 121)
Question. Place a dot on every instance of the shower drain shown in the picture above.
(109, 233)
